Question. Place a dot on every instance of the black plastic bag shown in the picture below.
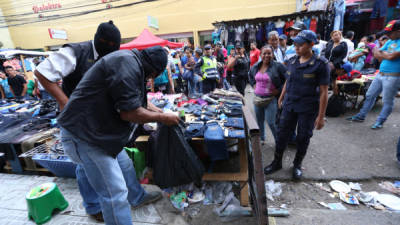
(173, 161)
(336, 106)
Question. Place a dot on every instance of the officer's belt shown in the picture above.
(390, 74)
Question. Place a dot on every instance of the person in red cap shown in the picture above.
(388, 79)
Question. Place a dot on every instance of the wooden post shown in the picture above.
(21, 57)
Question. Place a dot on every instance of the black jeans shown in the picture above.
(240, 83)
(209, 86)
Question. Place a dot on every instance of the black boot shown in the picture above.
(297, 172)
(275, 165)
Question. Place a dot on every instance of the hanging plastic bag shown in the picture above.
(173, 160)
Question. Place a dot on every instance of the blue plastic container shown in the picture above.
(61, 166)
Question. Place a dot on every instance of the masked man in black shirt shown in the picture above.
(98, 121)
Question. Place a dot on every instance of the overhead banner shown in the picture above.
(58, 34)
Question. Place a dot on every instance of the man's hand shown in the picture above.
(169, 119)
(319, 123)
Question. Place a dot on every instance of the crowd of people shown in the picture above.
(290, 77)
(290, 92)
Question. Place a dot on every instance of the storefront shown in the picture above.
(78, 20)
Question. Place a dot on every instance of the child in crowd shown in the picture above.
(358, 56)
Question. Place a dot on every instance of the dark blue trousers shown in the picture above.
(287, 125)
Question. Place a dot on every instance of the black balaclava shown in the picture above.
(154, 60)
(108, 32)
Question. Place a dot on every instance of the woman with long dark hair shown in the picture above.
(267, 78)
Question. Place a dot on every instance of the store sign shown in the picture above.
(58, 34)
(46, 7)
(152, 22)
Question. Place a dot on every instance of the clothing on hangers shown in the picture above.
(313, 25)
(279, 26)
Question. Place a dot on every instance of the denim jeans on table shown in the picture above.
(45, 95)
(267, 113)
(389, 85)
(113, 179)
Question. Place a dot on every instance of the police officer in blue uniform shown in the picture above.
(304, 99)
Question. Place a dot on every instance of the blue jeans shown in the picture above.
(45, 95)
(225, 84)
(112, 179)
(389, 85)
(268, 114)
(195, 86)
(339, 19)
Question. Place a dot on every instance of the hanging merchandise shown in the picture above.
(173, 160)
(268, 28)
(245, 37)
(231, 35)
(313, 24)
(307, 21)
(260, 35)
(391, 10)
(378, 15)
(252, 34)
(340, 10)
(238, 34)
(215, 36)
(279, 26)
(224, 36)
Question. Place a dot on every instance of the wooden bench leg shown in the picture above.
(244, 194)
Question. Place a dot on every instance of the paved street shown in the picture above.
(346, 151)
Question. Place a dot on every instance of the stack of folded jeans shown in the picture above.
(195, 129)
(232, 123)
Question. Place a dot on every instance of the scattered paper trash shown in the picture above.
(390, 187)
(193, 211)
(340, 186)
(323, 204)
(355, 186)
(179, 200)
(322, 187)
(370, 199)
(390, 201)
(273, 189)
(283, 206)
(364, 197)
(348, 198)
(231, 209)
(196, 197)
(278, 212)
(336, 206)
(333, 206)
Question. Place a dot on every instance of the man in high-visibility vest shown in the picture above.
(206, 67)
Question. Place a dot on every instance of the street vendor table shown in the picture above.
(352, 90)
(241, 176)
